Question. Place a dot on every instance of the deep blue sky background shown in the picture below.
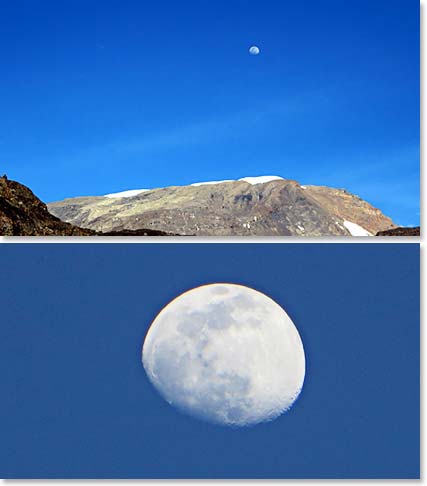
(75, 400)
(103, 96)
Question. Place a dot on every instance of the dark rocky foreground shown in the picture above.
(23, 214)
(400, 232)
(139, 232)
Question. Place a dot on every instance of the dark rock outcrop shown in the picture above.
(139, 232)
(401, 231)
(23, 214)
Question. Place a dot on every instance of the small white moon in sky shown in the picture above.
(227, 354)
(254, 50)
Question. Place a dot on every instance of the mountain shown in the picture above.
(263, 206)
(23, 214)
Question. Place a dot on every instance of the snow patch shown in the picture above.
(250, 180)
(356, 230)
(303, 187)
(260, 180)
(210, 183)
(130, 193)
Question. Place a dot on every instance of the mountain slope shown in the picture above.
(263, 206)
(22, 213)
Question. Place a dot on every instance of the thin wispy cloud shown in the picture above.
(388, 178)
(211, 130)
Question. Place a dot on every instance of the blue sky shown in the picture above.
(99, 97)
(76, 402)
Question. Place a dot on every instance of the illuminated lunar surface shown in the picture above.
(226, 354)
(254, 50)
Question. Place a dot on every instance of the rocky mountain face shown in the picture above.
(263, 206)
(23, 214)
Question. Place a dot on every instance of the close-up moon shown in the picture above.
(254, 50)
(225, 353)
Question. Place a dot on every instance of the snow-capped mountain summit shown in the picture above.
(261, 179)
(131, 193)
(250, 180)
(260, 205)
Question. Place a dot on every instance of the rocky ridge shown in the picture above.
(22, 213)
